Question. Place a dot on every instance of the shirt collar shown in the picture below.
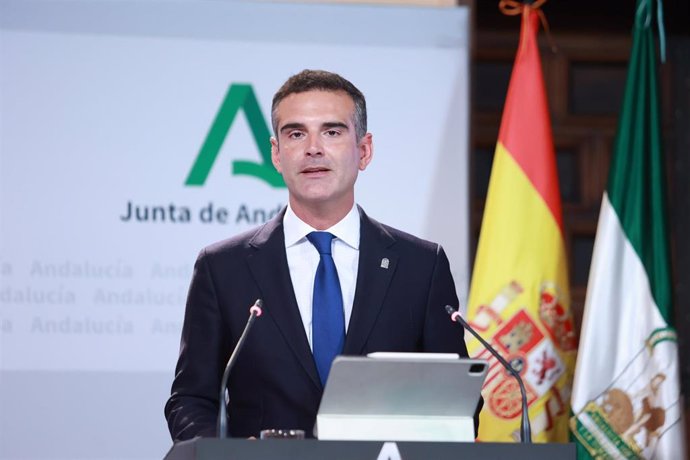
(347, 230)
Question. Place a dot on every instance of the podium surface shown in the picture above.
(311, 449)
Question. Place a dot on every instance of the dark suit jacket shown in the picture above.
(274, 383)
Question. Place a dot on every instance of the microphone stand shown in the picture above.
(525, 427)
(254, 312)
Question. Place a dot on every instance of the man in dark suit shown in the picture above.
(391, 287)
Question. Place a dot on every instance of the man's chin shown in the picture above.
(321, 200)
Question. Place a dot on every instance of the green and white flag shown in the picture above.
(626, 398)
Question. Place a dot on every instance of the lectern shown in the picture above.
(421, 400)
(310, 449)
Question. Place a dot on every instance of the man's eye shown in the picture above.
(332, 132)
(296, 135)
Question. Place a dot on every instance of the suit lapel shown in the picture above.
(377, 263)
(268, 264)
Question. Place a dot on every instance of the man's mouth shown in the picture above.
(315, 170)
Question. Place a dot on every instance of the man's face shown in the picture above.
(317, 150)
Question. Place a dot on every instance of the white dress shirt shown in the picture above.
(303, 260)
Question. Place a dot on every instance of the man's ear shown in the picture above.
(275, 155)
(366, 151)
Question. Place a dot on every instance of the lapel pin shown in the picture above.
(385, 262)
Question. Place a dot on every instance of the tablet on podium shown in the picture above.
(401, 397)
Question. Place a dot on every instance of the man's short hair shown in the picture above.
(320, 80)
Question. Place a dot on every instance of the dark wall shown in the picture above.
(677, 117)
(613, 16)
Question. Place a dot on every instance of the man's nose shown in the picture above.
(314, 147)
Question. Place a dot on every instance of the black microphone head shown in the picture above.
(450, 310)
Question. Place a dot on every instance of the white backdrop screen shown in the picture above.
(104, 109)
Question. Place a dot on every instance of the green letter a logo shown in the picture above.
(239, 96)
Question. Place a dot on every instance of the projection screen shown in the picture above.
(121, 157)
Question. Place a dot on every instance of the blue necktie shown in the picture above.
(328, 322)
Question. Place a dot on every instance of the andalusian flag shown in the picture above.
(626, 397)
(519, 297)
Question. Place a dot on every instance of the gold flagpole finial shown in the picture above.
(515, 7)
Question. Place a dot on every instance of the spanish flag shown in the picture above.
(519, 296)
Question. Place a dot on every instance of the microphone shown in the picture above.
(254, 312)
(525, 427)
